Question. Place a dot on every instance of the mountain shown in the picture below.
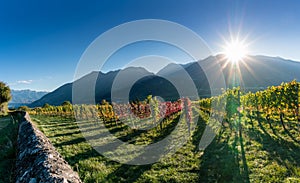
(254, 73)
(104, 83)
(262, 71)
(24, 97)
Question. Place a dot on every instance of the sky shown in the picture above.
(43, 41)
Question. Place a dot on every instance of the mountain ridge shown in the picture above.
(256, 73)
(24, 97)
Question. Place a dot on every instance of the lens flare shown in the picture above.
(235, 51)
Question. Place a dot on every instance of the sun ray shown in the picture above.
(235, 50)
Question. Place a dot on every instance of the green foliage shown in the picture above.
(24, 108)
(262, 158)
(3, 109)
(5, 97)
(46, 106)
(93, 167)
(275, 100)
(262, 150)
(8, 138)
(5, 94)
(66, 103)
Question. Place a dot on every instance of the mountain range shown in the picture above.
(24, 97)
(253, 73)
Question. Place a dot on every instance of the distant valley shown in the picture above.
(24, 97)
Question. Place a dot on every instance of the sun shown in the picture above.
(235, 51)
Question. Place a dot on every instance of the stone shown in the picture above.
(37, 159)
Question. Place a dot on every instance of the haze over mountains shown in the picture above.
(255, 73)
(24, 97)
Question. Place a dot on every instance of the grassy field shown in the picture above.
(260, 153)
(8, 136)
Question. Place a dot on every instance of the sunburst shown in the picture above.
(235, 50)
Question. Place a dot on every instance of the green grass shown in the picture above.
(93, 167)
(8, 136)
(259, 154)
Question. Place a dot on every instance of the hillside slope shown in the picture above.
(255, 73)
(22, 97)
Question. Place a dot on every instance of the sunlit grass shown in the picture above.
(93, 167)
(258, 155)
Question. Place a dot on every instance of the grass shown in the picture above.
(260, 153)
(93, 167)
(8, 136)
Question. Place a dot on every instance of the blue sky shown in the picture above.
(42, 41)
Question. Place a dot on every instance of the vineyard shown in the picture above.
(258, 139)
(276, 102)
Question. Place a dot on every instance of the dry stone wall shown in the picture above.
(37, 159)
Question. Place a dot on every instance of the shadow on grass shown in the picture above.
(72, 160)
(274, 130)
(124, 173)
(71, 142)
(219, 164)
(64, 134)
(197, 135)
(131, 173)
(243, 156)
(132, 135)
(221, 159)
(291, 136)
(127, 173)
(279, 149)
(80, 139)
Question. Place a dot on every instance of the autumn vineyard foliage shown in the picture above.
(151, 109)
(256, 140)
(276, 101)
